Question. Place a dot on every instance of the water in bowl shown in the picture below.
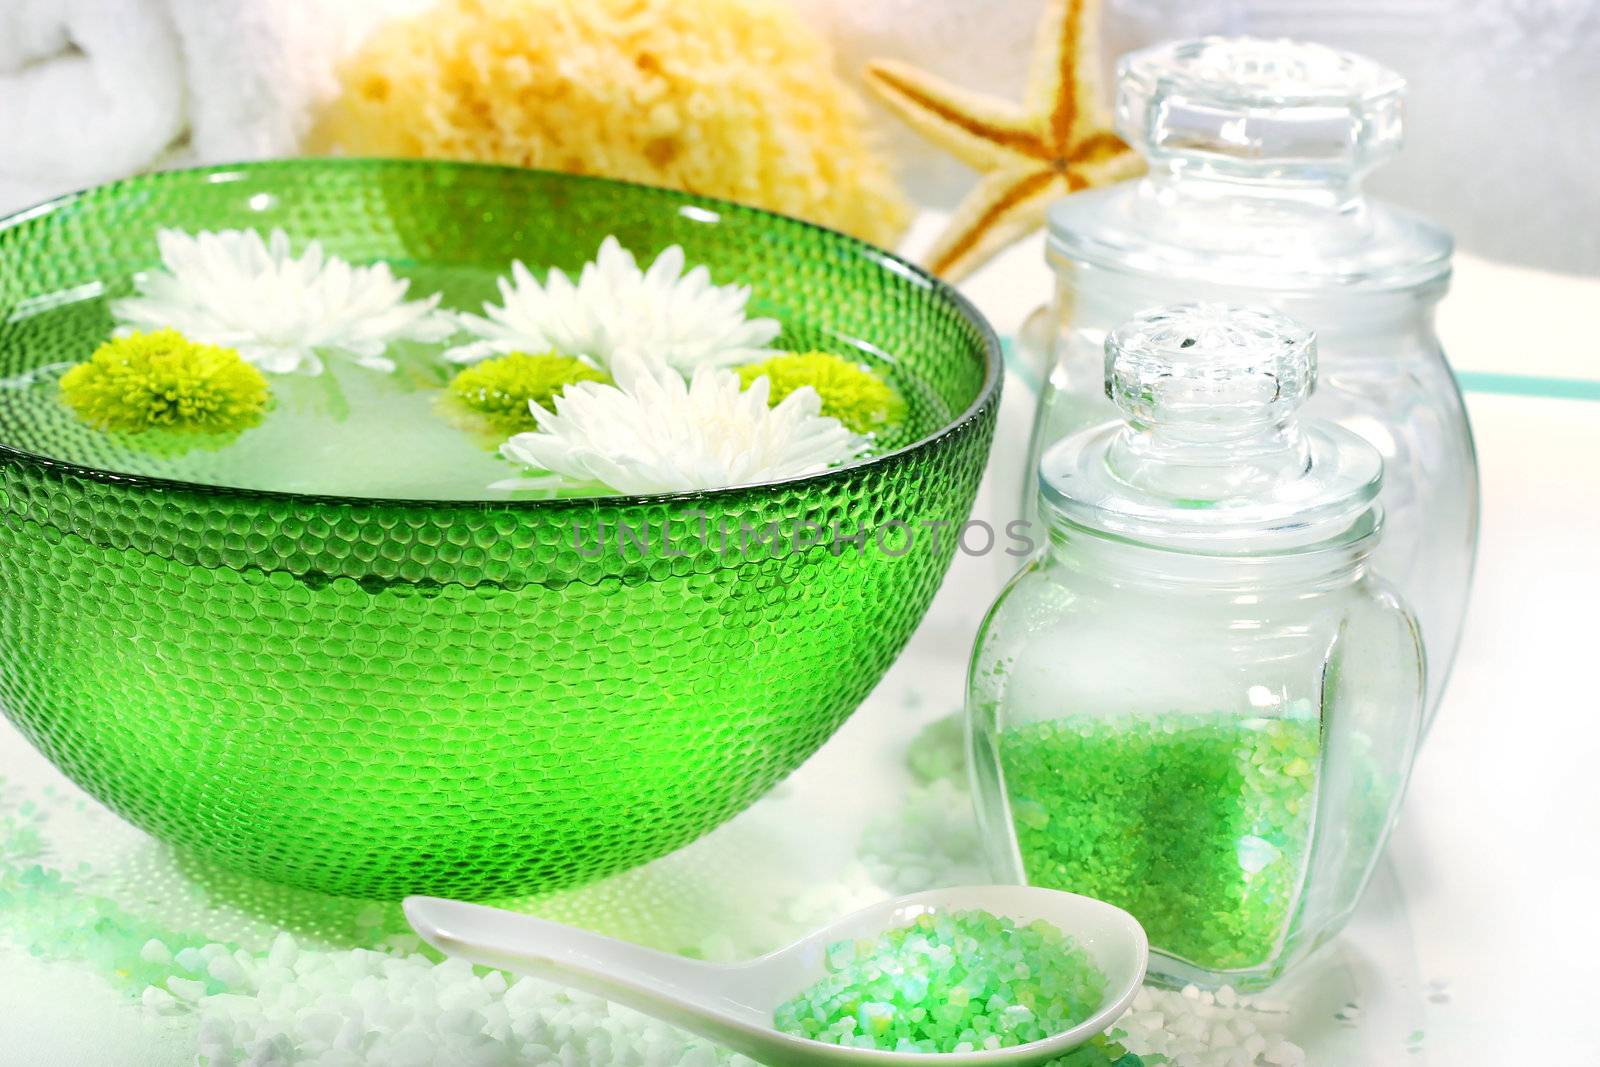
(348, 432)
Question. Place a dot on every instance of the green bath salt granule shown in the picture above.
(952, 982)
(1196, 824)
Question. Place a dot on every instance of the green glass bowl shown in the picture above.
(375, 697)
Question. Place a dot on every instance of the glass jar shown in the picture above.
(1257, 150)
(1199, 703)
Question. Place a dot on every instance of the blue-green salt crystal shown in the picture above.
(946, 983)
(876, 1017)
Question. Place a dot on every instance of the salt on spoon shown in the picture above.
(734, 1004)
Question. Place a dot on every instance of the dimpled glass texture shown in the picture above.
(379, 697)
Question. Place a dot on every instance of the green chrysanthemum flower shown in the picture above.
(163, 381)
(499, 390)
(851, 392)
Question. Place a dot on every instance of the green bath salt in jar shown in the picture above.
(1200, 704)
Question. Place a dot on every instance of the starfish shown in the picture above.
(1058, 142)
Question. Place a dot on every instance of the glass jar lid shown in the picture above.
(1210, 455)
(1260, 108)
(1257, 149)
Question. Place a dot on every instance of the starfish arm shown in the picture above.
(981, 131)
(1103, 159)
(1006, 205)
(1064, 77)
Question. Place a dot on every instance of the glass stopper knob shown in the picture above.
(1257, 107)
(1209, 372)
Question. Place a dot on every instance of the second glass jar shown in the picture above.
(1199, 703)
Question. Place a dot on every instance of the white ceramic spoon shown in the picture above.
(732, 1004)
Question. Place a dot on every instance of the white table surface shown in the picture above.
(1473, 947)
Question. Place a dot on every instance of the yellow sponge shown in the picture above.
(727, 98)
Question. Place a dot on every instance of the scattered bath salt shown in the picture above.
(818, 905)
(948, 983)
(1194, 1028)
(283, 1004)
(299, 1005)
(293, 1004)
(929, 842)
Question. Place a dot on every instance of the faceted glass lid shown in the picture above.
(1257, 149)
(1210, 454)
(1269, 108)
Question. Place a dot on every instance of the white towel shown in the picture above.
(89, 90)
(257, 69)
(92, 90)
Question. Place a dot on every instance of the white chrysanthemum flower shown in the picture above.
(654, 433)
(280, 311)
(660, 314)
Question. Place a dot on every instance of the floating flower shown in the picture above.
(662, 314)
(501, 390)
(233, 288)
(163, 381)
(653, 432)
(850, 392)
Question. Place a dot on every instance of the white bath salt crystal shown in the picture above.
(1229, 1044)
(409, 1049)
(155, 951)
(459, 1021)
(491, 1054)
(274, 1051)
(158, 1000)
(191, 960)
(700, 1056)
(497, 1021)
(186, 989)
(1284, 1054)
(215, 1028)
(321, 1027)
(226, 970)
(393, 1016)
(453, 970)
(350, 1036)
(474, 994)
(1191, 1029)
